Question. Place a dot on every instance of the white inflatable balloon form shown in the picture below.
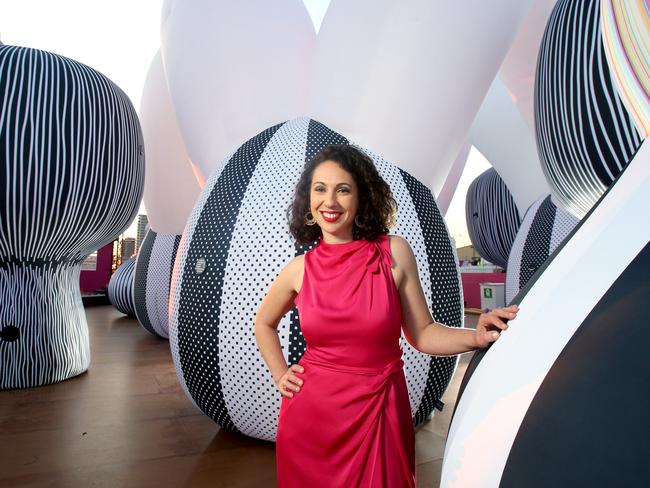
(234, 69)
(501, 135)
(171, 186)
(406, 78)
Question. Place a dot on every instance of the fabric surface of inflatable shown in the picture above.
(236, 242)
(492, 217)
(151, 281)
(71, 179)
(120, 288)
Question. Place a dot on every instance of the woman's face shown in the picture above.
(334, 200)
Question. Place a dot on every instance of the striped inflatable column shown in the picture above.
(153, 273)
(120, 288)
(585, 135)
(544, 227)
(230, 254)
(492, 217)
(71, 180)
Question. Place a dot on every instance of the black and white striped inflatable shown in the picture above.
(492, 217)
(235, 243)
(153, 273)
(585, 136)
(71, 180)
(533, 410)
(544, 227)
(120, 288)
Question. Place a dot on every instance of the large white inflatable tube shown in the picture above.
(406, 78)
(170, 184)
(579, 326)
(445, 192)
(233, 69)
(502, 136)
(518, 69)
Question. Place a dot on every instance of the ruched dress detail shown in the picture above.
(350, 425)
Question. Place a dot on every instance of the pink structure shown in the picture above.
(472, 286)
(98, 279)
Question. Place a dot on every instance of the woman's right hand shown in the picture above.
(289, 382)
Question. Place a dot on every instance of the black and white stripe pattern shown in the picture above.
(120, 288)
(492, 217)
(585, 136)
(229, 255)
(531, 411)
(544, 227)
(71, 175)
(153, 272)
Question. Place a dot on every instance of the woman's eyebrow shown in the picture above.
(338, 184)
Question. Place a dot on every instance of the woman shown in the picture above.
(345, 419)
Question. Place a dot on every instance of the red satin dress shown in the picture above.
(350, 424)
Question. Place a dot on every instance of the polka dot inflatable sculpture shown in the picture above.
(492, 217)
(544, 227)
(234, 245)
(153, 273)
(530, 407)
(120, 288)
(71, 180)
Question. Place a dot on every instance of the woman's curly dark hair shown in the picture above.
(377, 207)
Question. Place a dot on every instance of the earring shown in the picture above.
(309, 219)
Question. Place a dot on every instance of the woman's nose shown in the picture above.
(330, 198)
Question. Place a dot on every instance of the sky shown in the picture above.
(120, 38)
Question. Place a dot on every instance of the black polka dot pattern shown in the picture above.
(200, 300)
(543, 229)
(237, 241)
(536, 248)
(140, 281)
(153, 272)
(444, 294)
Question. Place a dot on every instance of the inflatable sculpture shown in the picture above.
(528, 414)
(120, 288)
(492, 217)
(71, 178)
(226, 262)
(544, 227)
(172, 184)
(152, 276)
(233, 118)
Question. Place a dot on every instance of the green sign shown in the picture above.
(487, 292)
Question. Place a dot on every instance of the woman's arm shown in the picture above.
(277, 302)
(421, 331)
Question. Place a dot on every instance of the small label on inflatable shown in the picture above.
(201, 264)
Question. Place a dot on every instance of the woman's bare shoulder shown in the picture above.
(399, 245)
(293, 272)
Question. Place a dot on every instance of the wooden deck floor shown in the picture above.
(127, 423)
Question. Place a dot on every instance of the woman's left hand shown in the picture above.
(490, 325)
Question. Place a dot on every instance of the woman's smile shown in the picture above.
(331, 217)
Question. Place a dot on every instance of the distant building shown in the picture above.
(467, 253)
(128, 248)
(143, 228)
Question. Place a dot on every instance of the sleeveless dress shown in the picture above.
(350, 424)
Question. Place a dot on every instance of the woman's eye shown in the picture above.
(319, 188)
(344, 190)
